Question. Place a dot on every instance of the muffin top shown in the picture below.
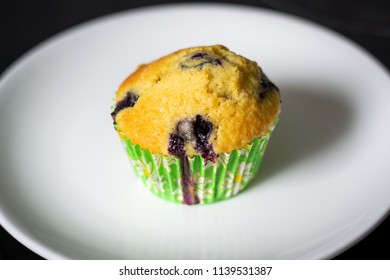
(200, 100)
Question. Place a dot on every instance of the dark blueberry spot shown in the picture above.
(218, 61)
(199, 55)
(266, 87)
(203, 129)
(176, 145)
(198, 60)
(129, 101)
(207, 151)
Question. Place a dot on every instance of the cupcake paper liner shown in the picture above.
(213, 182)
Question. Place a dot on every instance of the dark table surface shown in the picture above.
(24, 24)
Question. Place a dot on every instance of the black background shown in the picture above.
(24, 24)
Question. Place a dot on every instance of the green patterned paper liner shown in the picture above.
(213, 182)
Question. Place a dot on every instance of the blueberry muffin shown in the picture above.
(195, 123)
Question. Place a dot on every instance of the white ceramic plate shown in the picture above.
(68, 191)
